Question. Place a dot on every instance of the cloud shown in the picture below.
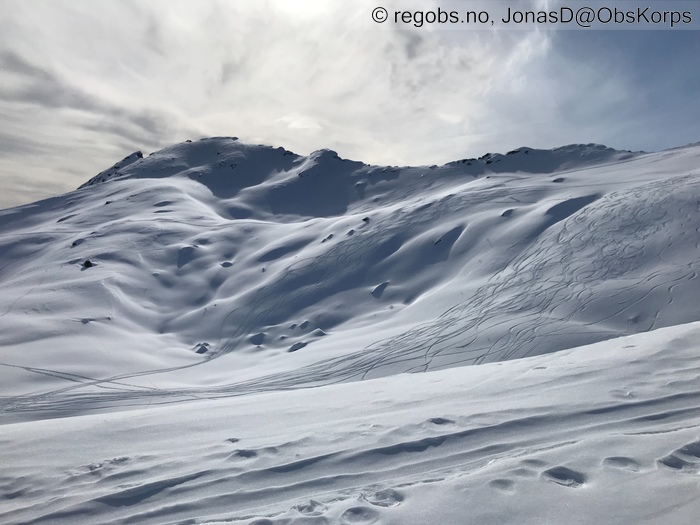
(295, 121)
(83, 83)
(14, 63)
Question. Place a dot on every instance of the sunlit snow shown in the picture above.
(221, 332)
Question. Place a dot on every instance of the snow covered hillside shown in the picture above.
(222, 268)
(161, 327)
(601, 434)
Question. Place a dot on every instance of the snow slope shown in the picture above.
(162, 326)
(222, 268)
(602, 434)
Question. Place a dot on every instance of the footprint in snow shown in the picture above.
(385, 498)
(564, 476)
(523, 472)
(534, 462)
(622, 463)
(685, 459)
(503, 485)
(440, 421)
(243, 453)
(312, 508)
(527, 470)
(359, 514)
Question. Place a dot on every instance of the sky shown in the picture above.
(85, 83)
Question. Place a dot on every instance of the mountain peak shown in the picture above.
(114, 171)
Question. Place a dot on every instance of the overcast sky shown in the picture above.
(83, 83)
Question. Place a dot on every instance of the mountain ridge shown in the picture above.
(555, 158)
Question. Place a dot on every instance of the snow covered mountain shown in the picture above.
(171, 299)
(238, 268)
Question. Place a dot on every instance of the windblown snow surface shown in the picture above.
(228, 333)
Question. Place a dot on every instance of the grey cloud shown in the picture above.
(412, 41)
(11, 144)
(120, 130)
(52, 94)
(153, 36)
(230, 69)
(14, 63)
(146, 131)
(149, 122)
(43, 88)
